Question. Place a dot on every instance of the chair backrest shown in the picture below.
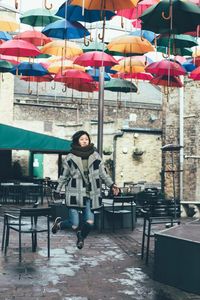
(123, 199)
(35, 212)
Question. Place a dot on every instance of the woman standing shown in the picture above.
(82, 175)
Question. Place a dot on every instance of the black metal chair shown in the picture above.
(149, 229)
(118, 208)
(26, 221)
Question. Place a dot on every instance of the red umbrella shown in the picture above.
(45, 78)
(195, 74)
(19, 48)
(169, 81)
(89, 87)
(95, 59)
(139, 76)
(33, 36)
(73, 75)
(165, 67)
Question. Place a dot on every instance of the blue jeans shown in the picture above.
(73, 220)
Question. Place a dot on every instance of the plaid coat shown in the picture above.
(74, 180)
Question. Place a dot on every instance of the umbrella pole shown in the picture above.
(100, 110)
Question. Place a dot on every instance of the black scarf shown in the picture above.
(83, 152)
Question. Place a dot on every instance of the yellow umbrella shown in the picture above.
(196, 51)
(8, 24)
(59, 65)
(128, 44)
(62, 48)
(105, 4)
(132, 64)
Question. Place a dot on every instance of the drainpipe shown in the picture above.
(117, 135)
(181, 137)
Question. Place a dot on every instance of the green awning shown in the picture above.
(13, 138)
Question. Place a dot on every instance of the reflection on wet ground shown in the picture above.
(108, 267)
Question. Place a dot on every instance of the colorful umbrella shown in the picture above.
(105, 4)
(174, 51)
(74, 13)
(95, 59)
(38, 17)
(133, 64)
(13, 60)
(5, 36)
(165, 67)
(138, 76)
(8, 24)
(29, 69)
(89, 87)
(195, 75)
(44, 78)
(130, 45)
(5, 66)
(18, 48)
(34, 37)
(189, 66)
(62, 48)
(134, 13)
(169, 81)
(94, 46)
(61, 65)
(70, 76)
(95, 74)
(174, 16)
(63, 29)
(176, 41)
(146, 34)
(120, 85)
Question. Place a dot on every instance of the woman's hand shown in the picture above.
(115, 190)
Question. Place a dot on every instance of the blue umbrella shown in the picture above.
(189, 67)
(5, 36)
(94, 73)
(74, 13)
(29, 69)
(63, 29)
(148, 35)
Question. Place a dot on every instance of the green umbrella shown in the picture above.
(39, 17)
(120, 85)
(5, 66)
(176, 51)
(94, 46)
(171, 16)
(177, 41)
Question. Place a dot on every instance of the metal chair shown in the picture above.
(119, 207)
(26, 221)
(149, 232)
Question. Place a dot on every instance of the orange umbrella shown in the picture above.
(105, 4)
(59, 65)
(130, 45)
(62, 48)
(8, 24)
(32, 36)
(132, 64)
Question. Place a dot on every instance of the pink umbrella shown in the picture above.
(73, 75)
(95, 59)
(19, 48)
(139, 76)
(34, 37)
(13, 60)
(166, 67)
(134, 13)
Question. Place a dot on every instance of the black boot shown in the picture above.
(80, 240)
(86, 229)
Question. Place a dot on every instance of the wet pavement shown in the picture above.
(108, 267)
